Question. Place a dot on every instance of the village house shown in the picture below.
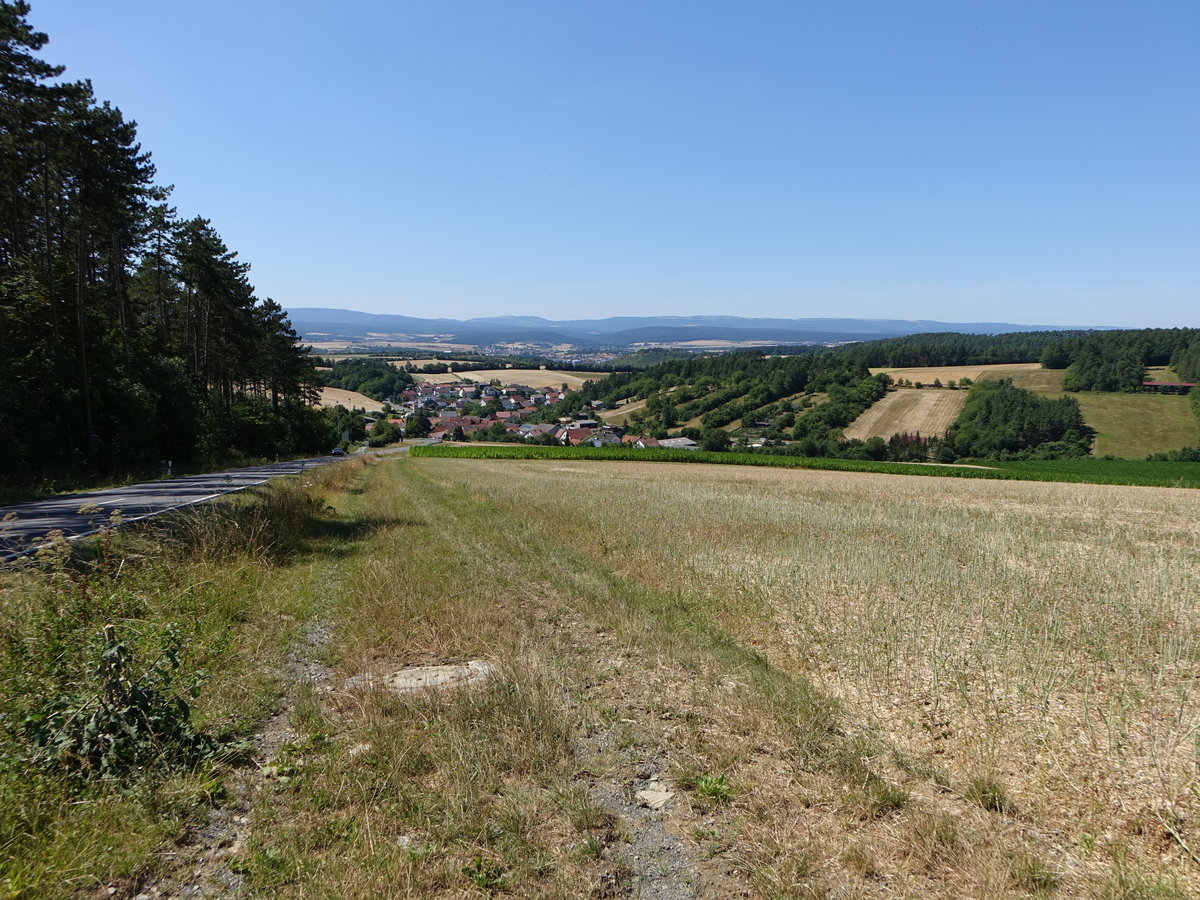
(678, 443)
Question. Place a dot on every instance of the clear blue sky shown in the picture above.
(1025, 161)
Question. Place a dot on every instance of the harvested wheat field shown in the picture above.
(1027, 375)
(539, 378)
(995, 685)
(349, 399)
(927, 412)
(401, 363)
(927, 374)
(438, 378)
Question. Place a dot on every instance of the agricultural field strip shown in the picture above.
(535, 378)
(1103, 472)
(926, 412)
(350, 399)
(928, 374)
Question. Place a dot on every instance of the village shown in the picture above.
(499, 412)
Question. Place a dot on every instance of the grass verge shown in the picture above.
(211, 598)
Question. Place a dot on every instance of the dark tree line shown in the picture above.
(1117, 360)
(954, 349)
(127, 335)
(1000, 421)
(1186, 360)
(375, 378)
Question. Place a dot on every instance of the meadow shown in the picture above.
(1132, 426)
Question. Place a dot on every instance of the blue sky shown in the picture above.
(1024, 161)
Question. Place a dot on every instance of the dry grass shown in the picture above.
(926, 412)
(1030, 654)
(349, 399)
(539, 378)
(401, 363)
(855, 685)
(927, 374)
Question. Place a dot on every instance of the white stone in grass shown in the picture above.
(654, 799)
(420, 678)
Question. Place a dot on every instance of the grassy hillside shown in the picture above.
(1134, 425)
(842, 680)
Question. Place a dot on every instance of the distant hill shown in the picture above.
(621, 332)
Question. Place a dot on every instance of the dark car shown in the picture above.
(338, 451)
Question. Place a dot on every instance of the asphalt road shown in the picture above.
(25, 526)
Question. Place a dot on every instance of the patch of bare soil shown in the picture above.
(624, 750)
(201, 866)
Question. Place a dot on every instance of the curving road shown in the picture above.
(24, 526)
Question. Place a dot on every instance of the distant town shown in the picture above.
(491, 411)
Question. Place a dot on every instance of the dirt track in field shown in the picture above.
(927, 412)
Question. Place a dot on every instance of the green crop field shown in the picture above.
(1089, 471)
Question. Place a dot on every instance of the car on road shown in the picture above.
(338, 451)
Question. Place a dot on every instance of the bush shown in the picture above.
(126, 720)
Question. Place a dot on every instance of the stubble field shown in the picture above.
(1027, 656)
(925, 412)
(350, 399)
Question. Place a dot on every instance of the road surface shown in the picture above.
(25, 526)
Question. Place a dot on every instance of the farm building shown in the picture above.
(1167, 387)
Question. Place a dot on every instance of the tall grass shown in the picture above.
(211, 588)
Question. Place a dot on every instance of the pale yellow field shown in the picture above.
(1027, 375)
(1028, 655)
(349, 399)
(927, 374)
(401, 363)
(540, 378)
(621, 416)
(928, 412)
(382, 343)
(442, 378)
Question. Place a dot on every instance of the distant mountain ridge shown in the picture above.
(318, 324)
